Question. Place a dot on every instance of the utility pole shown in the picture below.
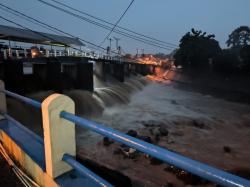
(117, 40)
(118, 48)
(110, 42)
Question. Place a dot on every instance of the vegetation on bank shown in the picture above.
(199, 50)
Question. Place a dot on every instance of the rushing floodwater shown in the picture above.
(129, 105)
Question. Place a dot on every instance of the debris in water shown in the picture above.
(145, 138)
(187, 178)
(227, 149)
(155, 161)
(132, 133)
(163, 131)
(107, 141)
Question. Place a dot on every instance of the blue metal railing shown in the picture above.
(23, 99)
(84, 171)
(205, 171)
(212, 174)
(66, 158)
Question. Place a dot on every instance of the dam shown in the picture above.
(51, 158)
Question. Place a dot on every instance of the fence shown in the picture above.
(58, 123)
(27, 53)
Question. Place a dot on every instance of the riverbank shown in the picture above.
(197, 124)
(208, 129)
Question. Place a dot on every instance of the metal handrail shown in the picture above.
(205, 171)
(66, 158)
(85, 171)
(19, 125)
(23, 99)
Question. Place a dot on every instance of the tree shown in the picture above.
(196, 49)
(245, 56)
(227, 63)
(160, 55)
(239, 38)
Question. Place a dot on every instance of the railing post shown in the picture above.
(25, 53)
(17, 54)
(3, 105)
(59, 134)
(46, 52)
(5, 55)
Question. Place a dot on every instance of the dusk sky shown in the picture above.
(167, 20)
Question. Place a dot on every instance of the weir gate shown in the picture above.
(60, 73)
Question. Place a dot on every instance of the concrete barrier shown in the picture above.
(59, 134)
(31, 168)
(3, 105)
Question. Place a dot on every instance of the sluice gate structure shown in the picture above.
(26, 70)
(60, 73)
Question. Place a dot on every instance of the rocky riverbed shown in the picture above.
(204, 128)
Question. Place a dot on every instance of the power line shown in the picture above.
(52, 27)
(118, 21)
(38, 33)
(109, 23)
(99, 24)
(29, 20)
(108, 27)
(26, 28)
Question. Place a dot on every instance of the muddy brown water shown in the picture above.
(202, 127)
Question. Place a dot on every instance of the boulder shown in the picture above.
(132, 133)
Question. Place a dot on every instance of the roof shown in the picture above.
(30, 36)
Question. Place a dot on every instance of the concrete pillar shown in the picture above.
(119, 71)
(54, 76)
(25, 53)
(100, 70)
(59, 134)
(17, 54)
(69, 75)
(10, 52)
(46, 52)
(5, 54)
(1, 71)
(40, 74)
(126, 69)
(3, 105)
(13, 76)
(84, 76)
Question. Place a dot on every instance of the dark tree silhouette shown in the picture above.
(160, 55)
(239, 38)
(245, 56)
(196, 48)
(227, 63)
